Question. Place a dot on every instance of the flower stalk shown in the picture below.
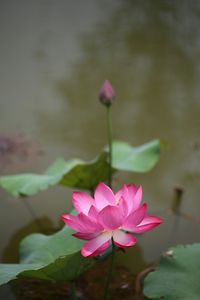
(73, 290)
(110, 272)
(109, 129)
(109, 132)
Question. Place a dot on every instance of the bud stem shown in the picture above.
(109, 129)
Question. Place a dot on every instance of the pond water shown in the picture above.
(54, 56)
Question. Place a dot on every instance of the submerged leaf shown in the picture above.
(177, 275)
(56, 257)
(85, 175)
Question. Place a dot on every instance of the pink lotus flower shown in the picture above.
(106, 93)
(109, 217)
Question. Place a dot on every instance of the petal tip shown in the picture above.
(64, 217)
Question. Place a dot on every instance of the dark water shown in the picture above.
(54, 56)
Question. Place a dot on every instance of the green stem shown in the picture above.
(33, 215)
(109, 129)
(110, 272)
(73, 290)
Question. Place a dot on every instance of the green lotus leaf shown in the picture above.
(136, 159)
(55, 257)
(177, 275)
(85, 175)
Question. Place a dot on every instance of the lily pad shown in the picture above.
(136, 159)
(85, 175)
(177, 275)
(73, 173)
(56, 257)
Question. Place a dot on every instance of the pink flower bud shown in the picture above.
(106, 93)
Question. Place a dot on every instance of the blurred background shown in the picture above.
(54, 56)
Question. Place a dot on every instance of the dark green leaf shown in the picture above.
(56, 257)
(177, 275)
(74, 173)
(79, 174)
